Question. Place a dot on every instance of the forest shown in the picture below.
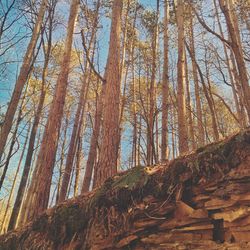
(91, 90)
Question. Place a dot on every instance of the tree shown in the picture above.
(228, 9)
(38, 194)
(201, 132)
(152, 99)
(107, 164)
(37, 118)
(182, 127)
(165, 88)
(80, 112)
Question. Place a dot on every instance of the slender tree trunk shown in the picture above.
(208, 98)
(4, 223)
(41, 189)
(211, 108)
(173, 121)
(73, 140)
(107, 165)
(228, 9)
(23, 208)
(189, 108)
(78, 164)
(182, 127)
(78, 118)
(13, 141)
(27, 165)
(239, 88)
(165, 89)
(125, 36)
(156, 145)
(22, 78)
(150, 145)
(62, 155)
(124, 82)
(201, 132)
(240, 115)
(139, 141)
(134, 110)
(93, 143)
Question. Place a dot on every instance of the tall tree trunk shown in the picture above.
(40, 190)
(62, 154)
(211, 102)
(78, 163)
(173, 131)
(208, 98)
(165, 89)
(21, 80)
(23, 208)
(13, 140)
(135, 159)
(182, 127)
(239, 88)
(29, 155)
(73, 141)
(233, 80)
(228, 9)
(93, 143)
(189, 108)
(201, 132)
(107, 165)
(154, 45)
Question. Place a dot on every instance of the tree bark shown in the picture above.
(189, 108)
(107, 165)
(30, 150)
(62, 153)
(93, 143)
(228, 9)
(73, 141)
(201, 132)
(40, 188)
(209, 101)
(165, 89)
(78, 163)
(233, 78)
(182, 127)
(152, 99)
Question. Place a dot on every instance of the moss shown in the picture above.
(65, 222)
(100, 198)
(135, 178)
(118, 190)
(209, 161)
(223, 152)
(133, 186)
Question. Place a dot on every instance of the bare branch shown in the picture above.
(88, 59)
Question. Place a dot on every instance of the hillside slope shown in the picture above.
(199, 201)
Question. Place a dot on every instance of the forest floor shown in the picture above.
(197, 201)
